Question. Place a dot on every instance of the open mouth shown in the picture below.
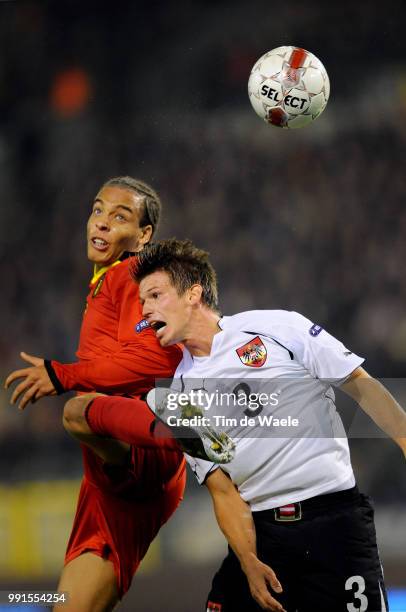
(157, 325)
(99, 244)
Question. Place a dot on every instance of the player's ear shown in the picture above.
(195, 294)
(145, 236)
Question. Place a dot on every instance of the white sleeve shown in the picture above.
(322, 355)
(201, 468)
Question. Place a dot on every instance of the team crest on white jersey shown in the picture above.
(253, 353)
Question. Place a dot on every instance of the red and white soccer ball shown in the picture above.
(289, 87)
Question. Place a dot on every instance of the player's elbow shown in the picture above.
(74, 420)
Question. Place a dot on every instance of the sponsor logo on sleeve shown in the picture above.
(141, 325)
(315, 330)
(253, 353)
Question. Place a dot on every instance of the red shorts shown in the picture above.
(118, 517)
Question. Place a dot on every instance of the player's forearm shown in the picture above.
(105, 376)
(381, 407)
(121, 374)
(235, 520)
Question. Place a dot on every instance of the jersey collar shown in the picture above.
(221, 322)
(99, 273)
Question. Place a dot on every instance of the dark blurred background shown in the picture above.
(312, 220)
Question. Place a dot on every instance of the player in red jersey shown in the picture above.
(129, 494)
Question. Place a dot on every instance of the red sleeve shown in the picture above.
(137, 362)
(131, 371)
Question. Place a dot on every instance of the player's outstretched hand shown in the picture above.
(259, 576)
(35, 384)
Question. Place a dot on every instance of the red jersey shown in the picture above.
(118, 352)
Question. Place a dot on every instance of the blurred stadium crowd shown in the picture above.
(312, 221)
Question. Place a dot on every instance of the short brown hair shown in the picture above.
(152, 203)
(185, 264)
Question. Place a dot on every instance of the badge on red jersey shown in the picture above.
(141, 325)
(253, 353)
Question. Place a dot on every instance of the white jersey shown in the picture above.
(293, 363)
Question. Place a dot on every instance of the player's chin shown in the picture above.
(98, 257)
(165, 339)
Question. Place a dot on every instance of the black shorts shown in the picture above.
(326, 560)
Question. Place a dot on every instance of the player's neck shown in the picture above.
(199, 339)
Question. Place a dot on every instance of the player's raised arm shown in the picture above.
(137, 359)
(235, 521)
(131, 369)
(379, 405)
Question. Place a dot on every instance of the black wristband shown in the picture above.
(54, 379)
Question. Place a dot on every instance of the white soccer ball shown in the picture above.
(288, 87)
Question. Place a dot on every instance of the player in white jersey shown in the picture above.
(271, 357)
(312, 525)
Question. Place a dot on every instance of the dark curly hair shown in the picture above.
(185, 264)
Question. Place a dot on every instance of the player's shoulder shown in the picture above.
(118, 286)
(257, 320)
(123, 266)
(120, 273)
